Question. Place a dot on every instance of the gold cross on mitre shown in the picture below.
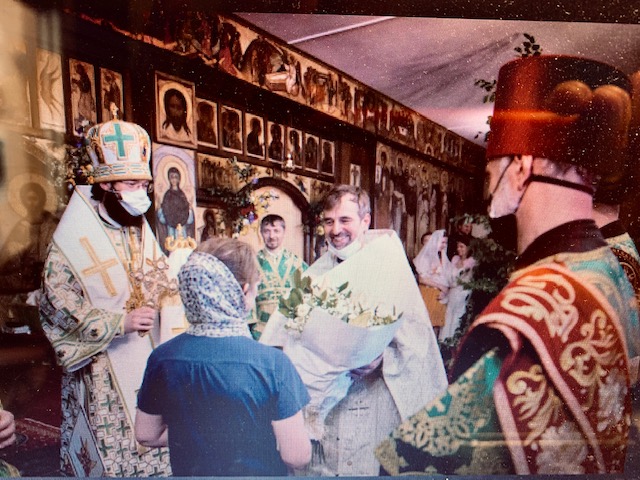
(99, 267)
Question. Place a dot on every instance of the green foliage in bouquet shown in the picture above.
(339, 302)
(493, 266)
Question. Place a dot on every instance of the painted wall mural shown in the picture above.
(236, 48)
(413, 197)
(50, 92)
(31, 201)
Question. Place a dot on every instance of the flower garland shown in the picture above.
(78, 161)
(242, 208)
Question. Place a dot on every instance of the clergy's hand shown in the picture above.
(140, 320)
(7, 429)
(362, 372)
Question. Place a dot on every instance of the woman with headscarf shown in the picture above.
(431, 263)
(459, 270)
(225, 404)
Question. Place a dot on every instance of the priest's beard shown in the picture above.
(118, 213)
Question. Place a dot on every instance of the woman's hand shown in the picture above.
(150, 430)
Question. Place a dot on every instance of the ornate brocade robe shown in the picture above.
(8, 470)
(82, 312)
(277, 274)
(626, 252)
(541, 383)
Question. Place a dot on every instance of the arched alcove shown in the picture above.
(294, 209)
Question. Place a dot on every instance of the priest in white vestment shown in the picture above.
(105, 282)
(409, 373)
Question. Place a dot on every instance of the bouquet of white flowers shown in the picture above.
(327, 332)
(339, 302)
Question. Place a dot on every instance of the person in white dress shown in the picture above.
(431, 263)
(456, 295)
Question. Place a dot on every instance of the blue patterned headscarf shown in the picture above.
(212, 297)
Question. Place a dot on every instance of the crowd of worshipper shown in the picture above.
(334, 368)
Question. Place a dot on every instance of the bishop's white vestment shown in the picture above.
(412, 371)
(96, 272)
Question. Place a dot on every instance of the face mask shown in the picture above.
(136, 202)
(345, 252)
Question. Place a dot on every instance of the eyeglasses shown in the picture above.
(136, 184)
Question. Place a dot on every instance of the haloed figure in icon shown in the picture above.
(175, 208)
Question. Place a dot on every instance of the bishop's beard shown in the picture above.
(118, 213)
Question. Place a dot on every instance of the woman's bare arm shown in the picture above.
(293, 441)
(150, 430)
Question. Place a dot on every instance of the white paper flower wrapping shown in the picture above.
(380, 279)
(324, 353)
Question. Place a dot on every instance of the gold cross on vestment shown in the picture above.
(99, 266)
